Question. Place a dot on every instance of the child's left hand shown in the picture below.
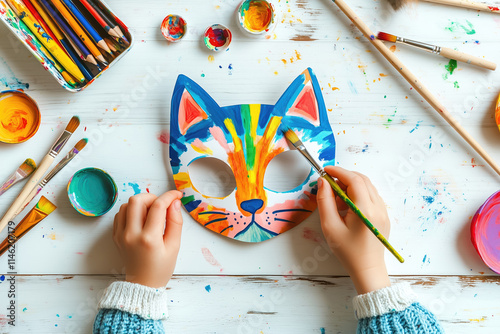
(147, 232)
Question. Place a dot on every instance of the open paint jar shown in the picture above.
(173, 28)
(217, 38)
(19, 117)
(92, 192)
(256, 16)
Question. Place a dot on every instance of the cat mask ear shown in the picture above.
(302, 103)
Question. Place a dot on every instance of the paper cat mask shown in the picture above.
(247, 137)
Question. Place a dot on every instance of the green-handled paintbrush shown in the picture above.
(294, 139)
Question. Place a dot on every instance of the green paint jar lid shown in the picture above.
(92, 192)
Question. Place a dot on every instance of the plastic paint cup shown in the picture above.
(92, 192)
(173, 28)
(256, 16)
(217, 37)
(19, 117)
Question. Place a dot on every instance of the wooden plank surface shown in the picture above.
(251, 304)
(431, 180)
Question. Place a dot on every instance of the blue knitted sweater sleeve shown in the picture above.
(112, 321)
(415, 319)
(394, 310)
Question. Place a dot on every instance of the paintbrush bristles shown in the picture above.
(28, 167)
(73, 124)
(387, 37)
(81, 144)
(291, 135)
(397, 4)
(45, 205)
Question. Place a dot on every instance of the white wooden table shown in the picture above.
(431, 180)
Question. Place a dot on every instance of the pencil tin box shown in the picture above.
(20, 30)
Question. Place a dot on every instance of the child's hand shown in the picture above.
(359, 251)
(147, 232)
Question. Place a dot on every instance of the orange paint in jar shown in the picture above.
(19, 117)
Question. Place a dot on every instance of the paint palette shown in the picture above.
(173, 28)
(485, 232)
(217, 37)
(22, 33)
(19, 117)
(256, 16)
(92, 192)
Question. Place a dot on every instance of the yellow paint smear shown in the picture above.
(19, 117)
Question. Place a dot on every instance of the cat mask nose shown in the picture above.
(252, 205)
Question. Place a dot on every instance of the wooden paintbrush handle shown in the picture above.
(28, 187)
(417, 85)
(466, 58)
(467, 4)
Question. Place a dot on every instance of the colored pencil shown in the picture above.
(86, 25)
(78, 30)
(36, 14)
(103, 21)
(69, 33)
(79, 62)
(111, 21)
(40, 171)
(297, 143)
(415, 83)
(47, 41)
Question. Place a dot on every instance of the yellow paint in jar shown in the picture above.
(256, 16)
(19, 117)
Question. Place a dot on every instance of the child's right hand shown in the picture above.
(359, 251)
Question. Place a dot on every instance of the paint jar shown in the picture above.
(256, 16)
(92, 192)
(173, 28)
(217, 38)
(19, 117)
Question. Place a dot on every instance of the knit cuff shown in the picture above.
(394, 298)
(146, 302)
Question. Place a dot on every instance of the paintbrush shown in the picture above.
(21, 173)
(41, 210)
(297, 143)
(42, 168)
(415, 83)
(442, 51)
(64, 161)
(396, 4)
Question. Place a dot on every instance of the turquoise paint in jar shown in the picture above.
(92, 192)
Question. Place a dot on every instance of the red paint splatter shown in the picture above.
(210, 258)
(85, 129)
(312, 235)
(494, 9)
(164, 137)
(147, 189)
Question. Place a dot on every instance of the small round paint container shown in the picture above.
(217, 37)
(92, 192)
(19, 117)
(173, 28)
(256, 16)
(485, 232)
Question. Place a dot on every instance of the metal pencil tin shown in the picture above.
(11, 20)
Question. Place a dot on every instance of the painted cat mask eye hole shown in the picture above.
(286, 171)
(212, 177)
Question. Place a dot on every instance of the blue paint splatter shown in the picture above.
(230, 69)
(416, 126)
(353, 89)
(322, 330)
(135, 186)
(9, 79)
(25, 309)
(2, 278)
(425, 257)
(208, 288)
(429, 199)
